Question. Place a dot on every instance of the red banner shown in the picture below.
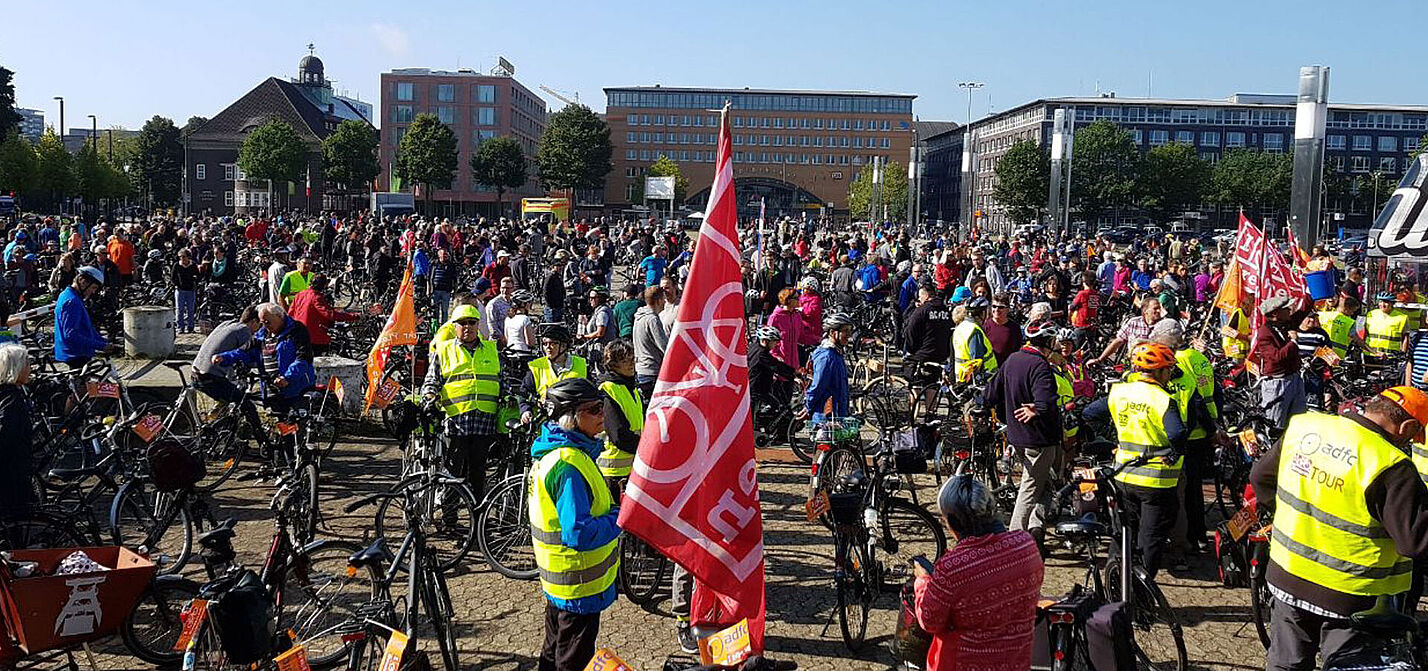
(694, 492)
(399, 330)
(1260, 260)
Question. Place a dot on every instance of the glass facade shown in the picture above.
(772, 102)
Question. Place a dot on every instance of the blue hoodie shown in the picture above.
(293, 351)
(830, 381)
(75, 335)
(578, 528)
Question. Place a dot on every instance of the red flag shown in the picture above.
(399, 330)
(1249, 253)
(694, 492)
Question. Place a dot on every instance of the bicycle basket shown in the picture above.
(837, 429)
(846, 507)
(172, 467)
(241, 616)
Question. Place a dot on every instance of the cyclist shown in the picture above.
(1350, 510)
(76, 339)
(1339, 323)
(624, 415)
(213, 379)
(768, 376)
(828, 390)
(971, 350)
(1148, 423)
(1194, 391)
(465, 381)
(573, 524)
(1023, 394)
(557, 364)
(282, 351)
(1384, 327)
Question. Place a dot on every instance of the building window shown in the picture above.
(644, 154)
(629, 191)
(1387, 143)
(699, 121)
(486, 116)
(1410, 145)
(644, 137)
(404, 91)
(484, 135)
(886, 144)
(1273, 142)
(1234, 139)
(1185, 136)
(1336, 163)
(1363, 143)
(630, 154)
(644, 119)
(1137, 136)
(1209, 138)
(633, 120)
(200, 171)
(1159, 137)
(778, 122)
(1388, 165)
(683, 155)
(1361, 164)
(631, 137)
(446, 114)
(659, 120)
(228, 171)
(228, 199)
(445, 93)
(485, 93)
(1335, 142)
(402, 114)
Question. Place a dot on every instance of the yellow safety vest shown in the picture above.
(1383, 333)
(1197, 374)
(962, 350)
(1064, 395)
(1236, 347)
(472, 376)
(614, 462)
(567, 573)
(1138, 407)
(1420, 460)
(1323, 532)
(545, 374)
(1340, 328)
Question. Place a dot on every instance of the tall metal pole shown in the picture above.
(1058, 154)
(94, 133)
(1310, 116)
(969, 179)
(911, 177)
(1070, 153)
(61, 124)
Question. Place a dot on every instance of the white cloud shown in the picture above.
(394, 40)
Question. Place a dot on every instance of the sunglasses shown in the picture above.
(467, 322)
(999, 307)
(593, 409)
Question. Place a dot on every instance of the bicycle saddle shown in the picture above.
(177, 365)
(374, 555)
(1081, 529)
(1384, 622)
(219, 535)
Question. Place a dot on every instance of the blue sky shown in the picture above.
(126, 60)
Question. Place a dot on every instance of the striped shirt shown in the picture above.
(1418, 359)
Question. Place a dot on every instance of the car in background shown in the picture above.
(1123, 235)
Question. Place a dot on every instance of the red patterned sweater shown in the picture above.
(980, 604)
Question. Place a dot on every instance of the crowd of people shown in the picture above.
(1030, 325)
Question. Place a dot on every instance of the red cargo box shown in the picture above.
(48, 612)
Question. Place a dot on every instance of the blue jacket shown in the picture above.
(871, 277)
(907, 295)
(830, 380)
(293, 351)
(75, 335)
(578, 528)
(421, 263)
(654, 268)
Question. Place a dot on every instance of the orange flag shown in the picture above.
(399, 330)
(1231, 291)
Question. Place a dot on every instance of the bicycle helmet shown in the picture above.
(1384, 297)
(556, 332)
(978, 303)
(92, 273)
(154, 253)
(768, 333)
(1152, 356)
(1040, 330)
(1069, 335)
(811, 284)
(904, 266)
(961, 294)
(835, 321)
(567, 395)
(522, 297)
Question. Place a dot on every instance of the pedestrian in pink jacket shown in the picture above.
(789, 322)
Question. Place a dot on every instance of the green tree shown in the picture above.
(427, 155)
(499, 163)
(274, 152)
(349, 156)
(90, 176)
(193, 124)
(1023, 180)
(158, 161)
(18, 165)
(54, 174)
(575, 150)
(1253, 180)
(1104, 165)
(9, 118)
(1172, 179)
(894, 193)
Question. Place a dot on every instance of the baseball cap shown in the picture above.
(1413, 401)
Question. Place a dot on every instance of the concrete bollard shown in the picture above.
(350, 372)
(148, 332)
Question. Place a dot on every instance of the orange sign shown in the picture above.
(192, 617)
(1328, 355)
(386, 393)
(816, 505)
(392, 655)
(148, 427)
(605, 660)
(104, 389)
(1250, 441)
(334, 385)
(295, 659)
(727, 648)
(287, 428)
(1240, 524)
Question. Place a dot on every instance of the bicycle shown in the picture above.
(1399, 637)
(503, 531)
(837, 452)
(869, 517)
(449, 507)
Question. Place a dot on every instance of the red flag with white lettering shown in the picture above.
(694, 492)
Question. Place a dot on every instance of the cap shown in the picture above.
(465, 312)
(503, 254)
(482, 285)
(1276, 303)
(92, 273)
(1413, 401)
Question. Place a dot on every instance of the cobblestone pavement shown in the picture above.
(500, 621)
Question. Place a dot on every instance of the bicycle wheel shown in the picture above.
(153, 628)
(885, 403)
(908, 531)
(799, 439)
(303, 503)
(642, 570)
(1159, 639)
(221, 450)
(855, 596)
(155, 522)
(449, 512)
(504, 533)
(440, 612)
(320, 594)
(1230, 477)
(1260, 597)
(838, 462)
(38, 531)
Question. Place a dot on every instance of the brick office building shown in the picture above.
(798, 150)
(476, 107)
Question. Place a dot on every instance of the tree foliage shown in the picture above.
(349, 155)
(193, 124)
(893, 197)
(427, 154)
(54, 173)
(1253, 180)
(158, 161)
(1173, 178)
(499, 163)
(19, 165)
(96, 179)
(575, 150)
(1104, 165)
(9, 118)
(1357, 192)
(273, 151)
(1023, 180)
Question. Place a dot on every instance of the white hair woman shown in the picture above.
(16, 486)
(979, 603)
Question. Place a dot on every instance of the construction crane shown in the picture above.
(557, 95)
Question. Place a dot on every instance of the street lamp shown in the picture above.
(970, 86)
(94, 133)
(61, 123)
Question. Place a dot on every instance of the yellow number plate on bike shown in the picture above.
(1250, 442)
(392, 655)
(816, 506)
(295, 659)
(1240, 524)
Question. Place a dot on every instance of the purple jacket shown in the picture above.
(790, 324)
